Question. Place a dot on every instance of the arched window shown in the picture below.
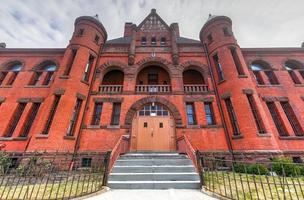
(112, 82)
(46, 71)
(259, 67)
(194, 81)
(292, 66)
(14, 68)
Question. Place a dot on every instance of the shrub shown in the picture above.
(258, 169)
(285, 166)
(240, 168)
(5, 162)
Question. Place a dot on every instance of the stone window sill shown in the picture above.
(194, 126)
(299, 85)
(221, 81)
(262, 86)
(69, 137)
(263, 135)
(6, 86)
(235, 137)
(291, 137)
(211, 126)
(242, 76)
(85, 82)
(20, 138)
(37, 86)
(6, 138)
(42, 136)
(93, 127)
(113, 127)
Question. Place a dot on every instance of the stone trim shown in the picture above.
(59, 91)
(113, 100)
(2, 99)
(282, 98)
(197, 99)
(80, 96)
(139, 103)
(247, 91)
(226, 95)
(26, 100)
(268, 98)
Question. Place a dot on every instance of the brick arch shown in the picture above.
(139, 103)
(297, 63)
(264, 63)
(39, 65)
(6, 65)
(161, 62)
(109, 66)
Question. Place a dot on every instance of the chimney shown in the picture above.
(128, 29)
(175, 28)
(2, 45)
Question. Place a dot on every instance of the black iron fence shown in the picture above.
(50, 176)
(279, 178)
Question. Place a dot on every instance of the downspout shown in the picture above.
(217, 96)
(76, 147)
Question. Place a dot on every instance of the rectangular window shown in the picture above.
(51, 114)
(143, 41)
(219, 69)
(48, 78)
(256, 114)
(86, 162)
(209, 38)
(2, 77)
(152, 79)
(116, 114)
(302, 73)
(30, 119)
(88, 68)
(237, 62)
(35, 78)
(97, 113)
(258, 77)
(80, 32)
(70, 62)
(73, 121)
(163, 41)
(12, 78)
(276, 118)
(292, 118)
(232, 117)
(226, 32)
(153, 41)
(190, 114)
(15, 119)
(272, 78)
(294, 77)
(209, 113)
(96, 39)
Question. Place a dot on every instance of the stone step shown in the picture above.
(149, 162)
(153, 184)
(150, 169)
(169, 176)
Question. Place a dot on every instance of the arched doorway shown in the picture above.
(153, 129)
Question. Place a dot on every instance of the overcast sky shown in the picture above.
(49, 23)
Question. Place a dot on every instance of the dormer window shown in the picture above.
(163, 41)
(96, 39)
(153, 41)
(226, 32)
(209, 38)
(80, 32)
(143, 41)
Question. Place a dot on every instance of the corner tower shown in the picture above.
(237, 92)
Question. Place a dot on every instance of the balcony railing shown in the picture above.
(110, 88)
(195, 88)
(153, 88)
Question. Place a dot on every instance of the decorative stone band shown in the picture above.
(270, 98)
(34, 100)
(114, 100)
(80, 96)
(197, 99)
(247, 91)
(226, 95)
(59, 91)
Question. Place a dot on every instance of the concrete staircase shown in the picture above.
(153, 171)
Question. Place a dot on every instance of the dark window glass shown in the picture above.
(292, 118)
(256, 114)
(73, 121)
(80, 32)
(232, 117)
(163, 41)
(258, 77)
(302, 73)
(115, 114)
(48, 78)
(226, 32)
(2, 77)
(153, 41)
(294, 77)
(51, 114)
(70, 62)
(277, 118)
(30, 119)
(88, 68)
(15, 119)
(272, 78)
(209, 38)
(237, 62)
(190, 113)
(13, 77)
(219, 69)
(97, 114)
(35, 78)
(152, 79)
(209, 113)
(143, 41)
(86, 162)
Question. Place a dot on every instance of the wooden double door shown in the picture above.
(153, 133)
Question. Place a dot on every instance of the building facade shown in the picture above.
(153, 86)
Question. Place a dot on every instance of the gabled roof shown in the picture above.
(121, 40)
(153, 22)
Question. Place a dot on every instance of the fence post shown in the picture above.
(106, 168)
(199, 166)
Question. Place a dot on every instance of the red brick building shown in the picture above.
(154, 86)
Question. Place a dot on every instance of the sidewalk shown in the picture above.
(173, 194)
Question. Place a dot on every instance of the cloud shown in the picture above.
(49, 23)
